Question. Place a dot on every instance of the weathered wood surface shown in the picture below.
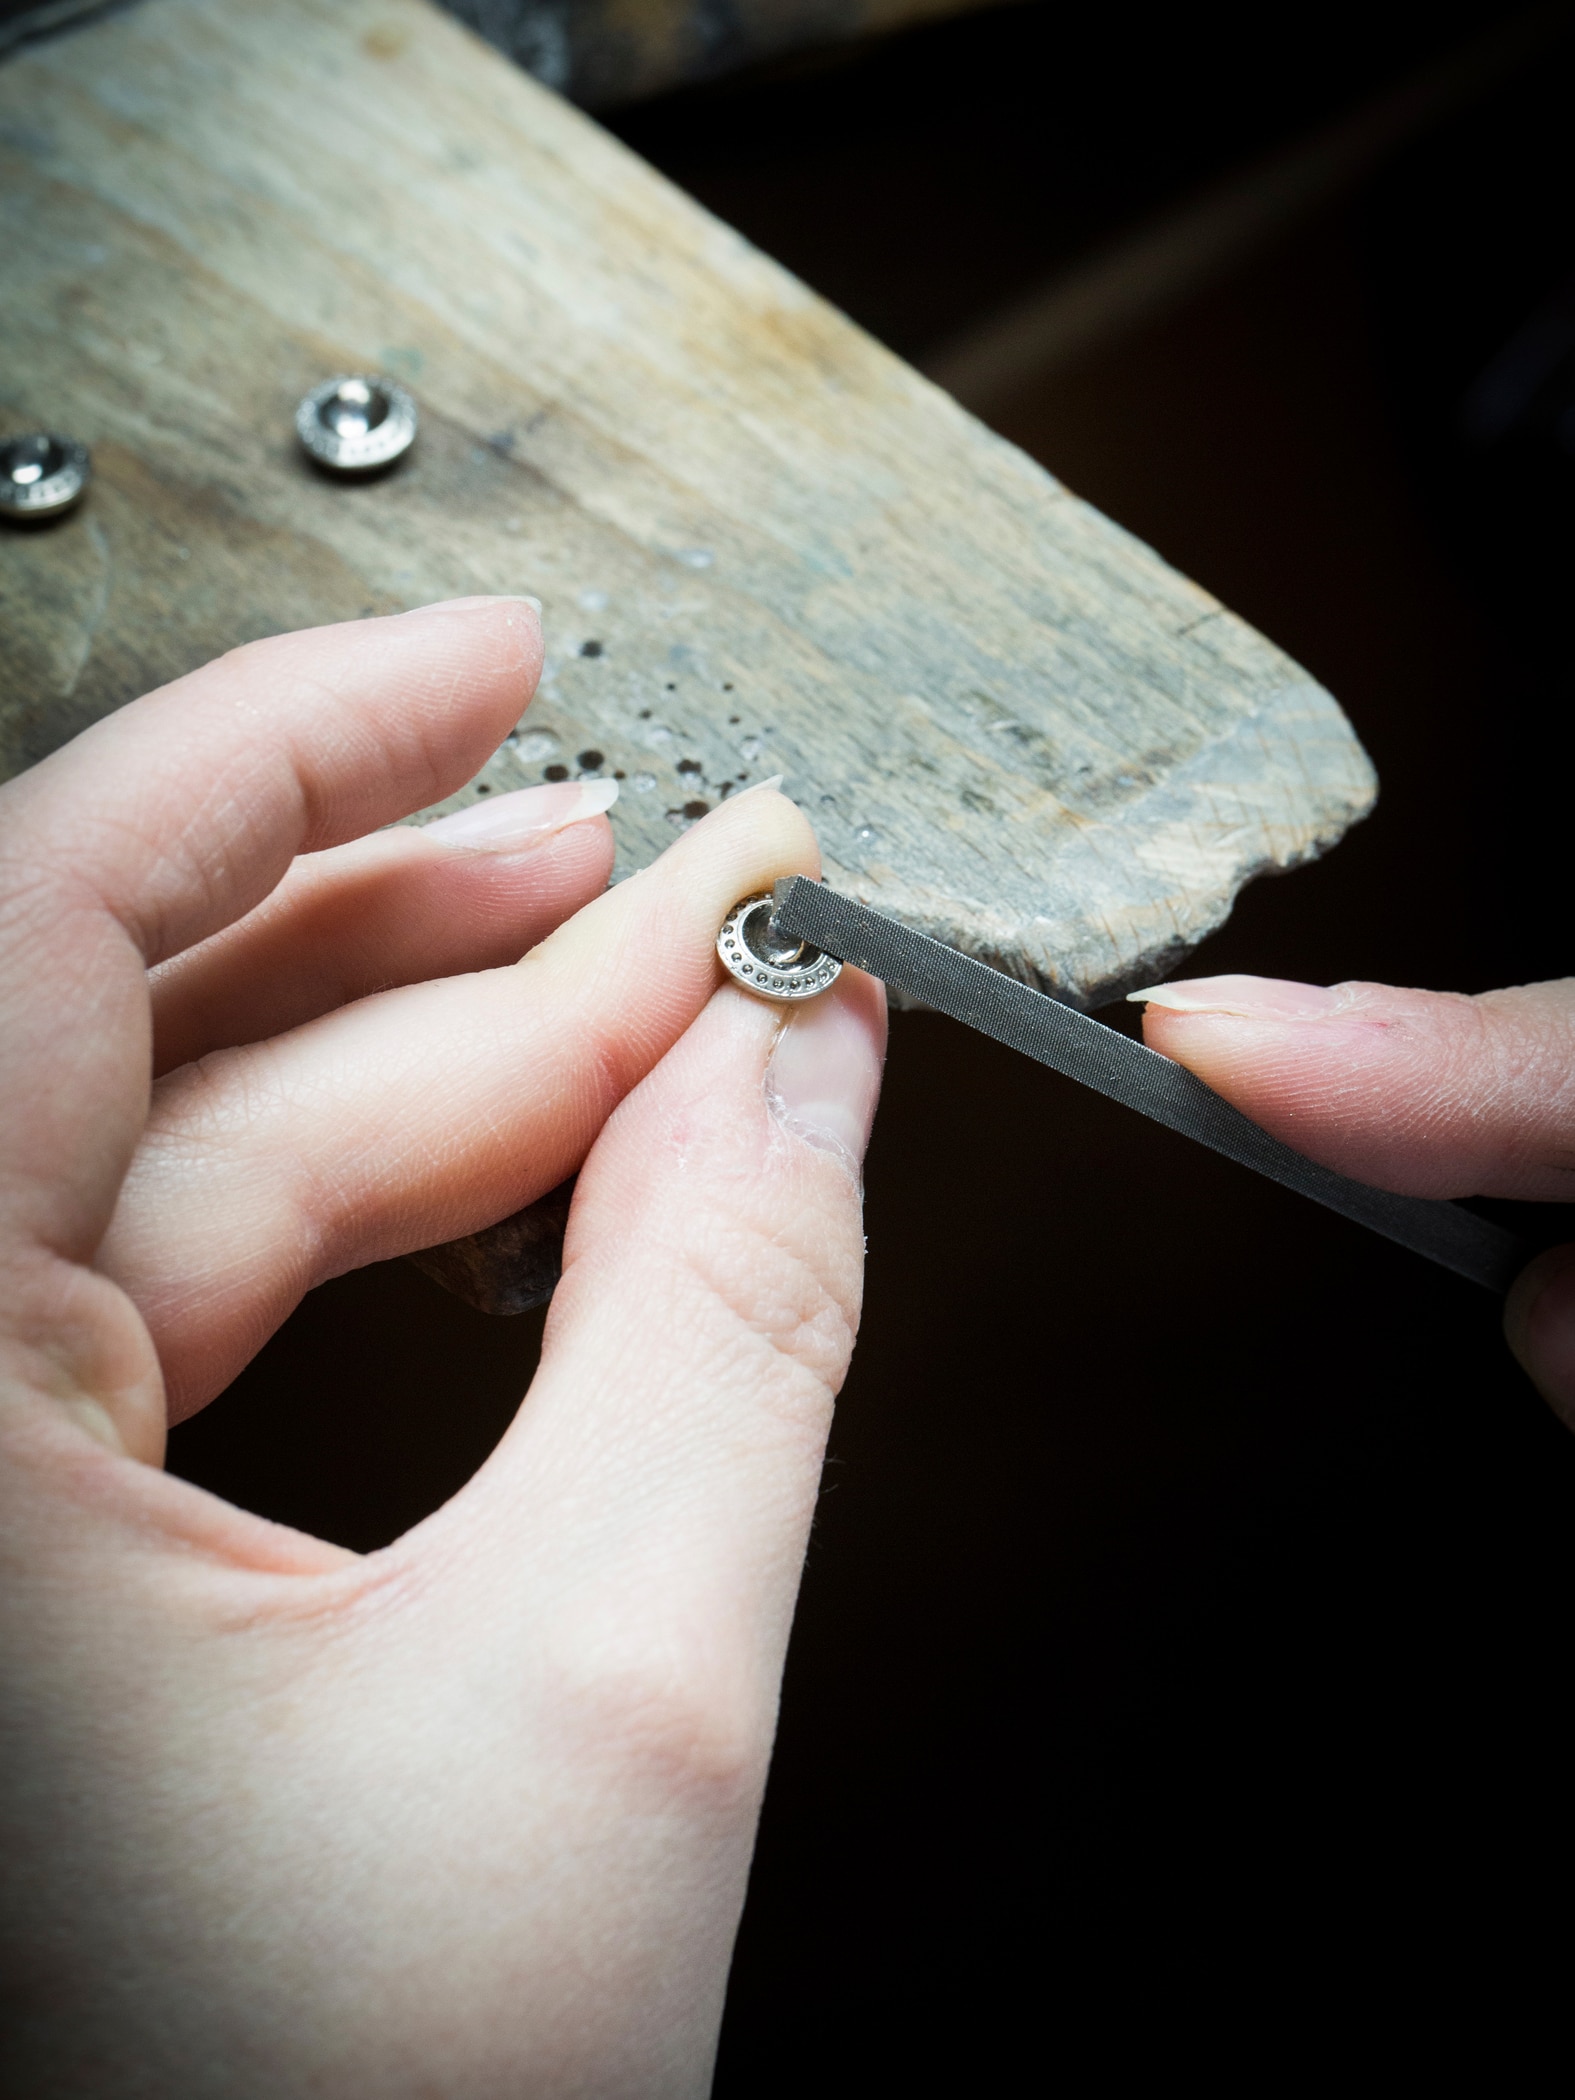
(762, 543)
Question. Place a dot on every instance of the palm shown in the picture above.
(473, 1813)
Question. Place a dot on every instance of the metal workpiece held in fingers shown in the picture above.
(762, 958)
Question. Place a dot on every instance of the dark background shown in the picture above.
(1183, 1650)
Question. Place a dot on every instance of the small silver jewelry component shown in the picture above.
(41, 475)
(356, 423)
(770, 962)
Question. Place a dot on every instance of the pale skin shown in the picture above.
(471, 1815)
(1429, 1093)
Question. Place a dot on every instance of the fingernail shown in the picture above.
(448, 605)
(755, 787)
(1539, 1325)
(824, 1077)
(1252, 998)
(527, 816)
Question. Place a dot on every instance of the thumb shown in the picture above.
(659, 1482)
(1428, 1093)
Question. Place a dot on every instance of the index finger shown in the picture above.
(169, 819)
(182, 811)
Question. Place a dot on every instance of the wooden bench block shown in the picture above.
(762, 543)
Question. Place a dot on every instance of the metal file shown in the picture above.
(1112, 1064)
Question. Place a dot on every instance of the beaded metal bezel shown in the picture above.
(806, 977)
(56, 490)
(361, 452)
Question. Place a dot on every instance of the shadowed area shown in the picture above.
(1180, 1660)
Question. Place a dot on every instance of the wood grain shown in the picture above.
(763, 544)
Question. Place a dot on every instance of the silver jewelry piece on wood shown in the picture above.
(356, 423)
(41, 475)
(764, 959)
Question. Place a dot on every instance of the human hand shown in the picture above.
(471, 1815)
(1427, 1093)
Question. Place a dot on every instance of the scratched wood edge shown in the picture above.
(1125, 885)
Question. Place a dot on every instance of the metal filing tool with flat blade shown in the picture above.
(1071, 1043)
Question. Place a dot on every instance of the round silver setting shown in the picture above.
(768, 964)
(41, 475)
(356, 423)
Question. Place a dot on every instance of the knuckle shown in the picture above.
(795, 1283)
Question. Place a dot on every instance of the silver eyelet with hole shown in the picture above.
(766, 962)
(41, 475)
(356, 423)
